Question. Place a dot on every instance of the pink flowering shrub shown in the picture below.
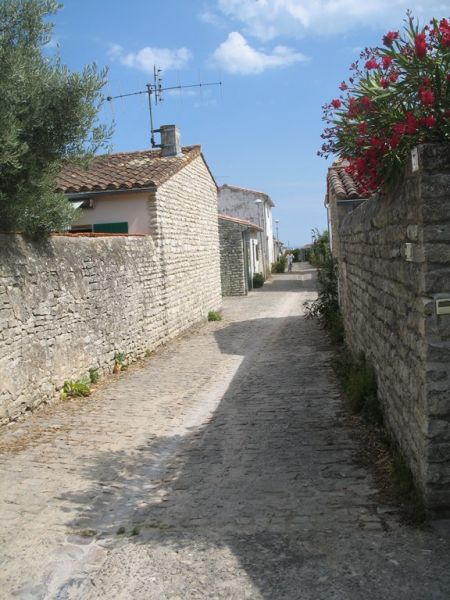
(397, 96)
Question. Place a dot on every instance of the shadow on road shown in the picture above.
(271, 476)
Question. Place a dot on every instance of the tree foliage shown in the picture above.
(397, 98)
(326, 306)
(48, 115)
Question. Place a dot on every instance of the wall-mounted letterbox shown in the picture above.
(443, 306)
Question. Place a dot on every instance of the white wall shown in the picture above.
(237, 202)
(132, 208)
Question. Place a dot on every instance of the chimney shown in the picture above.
(170, 140)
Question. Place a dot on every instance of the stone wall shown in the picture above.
(186, 233)
(232, 258)
(394, 262)
(69, 303)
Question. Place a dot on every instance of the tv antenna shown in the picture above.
(154, 91)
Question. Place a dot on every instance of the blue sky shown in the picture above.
(279, 61)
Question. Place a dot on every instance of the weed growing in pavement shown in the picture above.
(404, 487)
(72, 389)
(213, 315)
(135, 531)
(93, 375)
(120, 363)
(120, 531)
(359, 383)
(86, 532)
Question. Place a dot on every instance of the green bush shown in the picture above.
(320, 250)
(279, 266)
(258, 280)
(213, 315)
(326, 307)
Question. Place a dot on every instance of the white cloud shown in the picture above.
(235, 55)
(115, 51)
(146, 58)
(211, 18)
(267, 19)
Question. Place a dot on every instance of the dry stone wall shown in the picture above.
(232, 260)
(394, 262)
(187, 236)
(70, 303)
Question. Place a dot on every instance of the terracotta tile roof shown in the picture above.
(244, 222)
(125, 171)
(342, 183)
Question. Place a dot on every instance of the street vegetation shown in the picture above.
(48, 116)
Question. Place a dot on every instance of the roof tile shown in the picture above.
(342, 183)
(124, 171)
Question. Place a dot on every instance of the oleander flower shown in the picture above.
(428, 121)
(426, 96)
(389, 38)
(396, 98)
(371, 64)
(420, 45)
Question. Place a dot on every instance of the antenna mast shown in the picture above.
(154, 92)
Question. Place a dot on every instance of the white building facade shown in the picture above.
(255, 207)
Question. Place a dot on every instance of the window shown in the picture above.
(256, 252)
(86, 203)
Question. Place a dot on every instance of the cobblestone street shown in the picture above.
(221, 467)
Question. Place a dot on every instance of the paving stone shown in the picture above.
(220, 468)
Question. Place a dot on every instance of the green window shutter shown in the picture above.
(110, 227)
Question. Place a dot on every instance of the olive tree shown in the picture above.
(48, 115)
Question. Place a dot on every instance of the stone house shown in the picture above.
(143, 268)
(239, 254)
(255, 207)
(123, 192)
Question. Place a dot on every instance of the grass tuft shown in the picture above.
(214, 315)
